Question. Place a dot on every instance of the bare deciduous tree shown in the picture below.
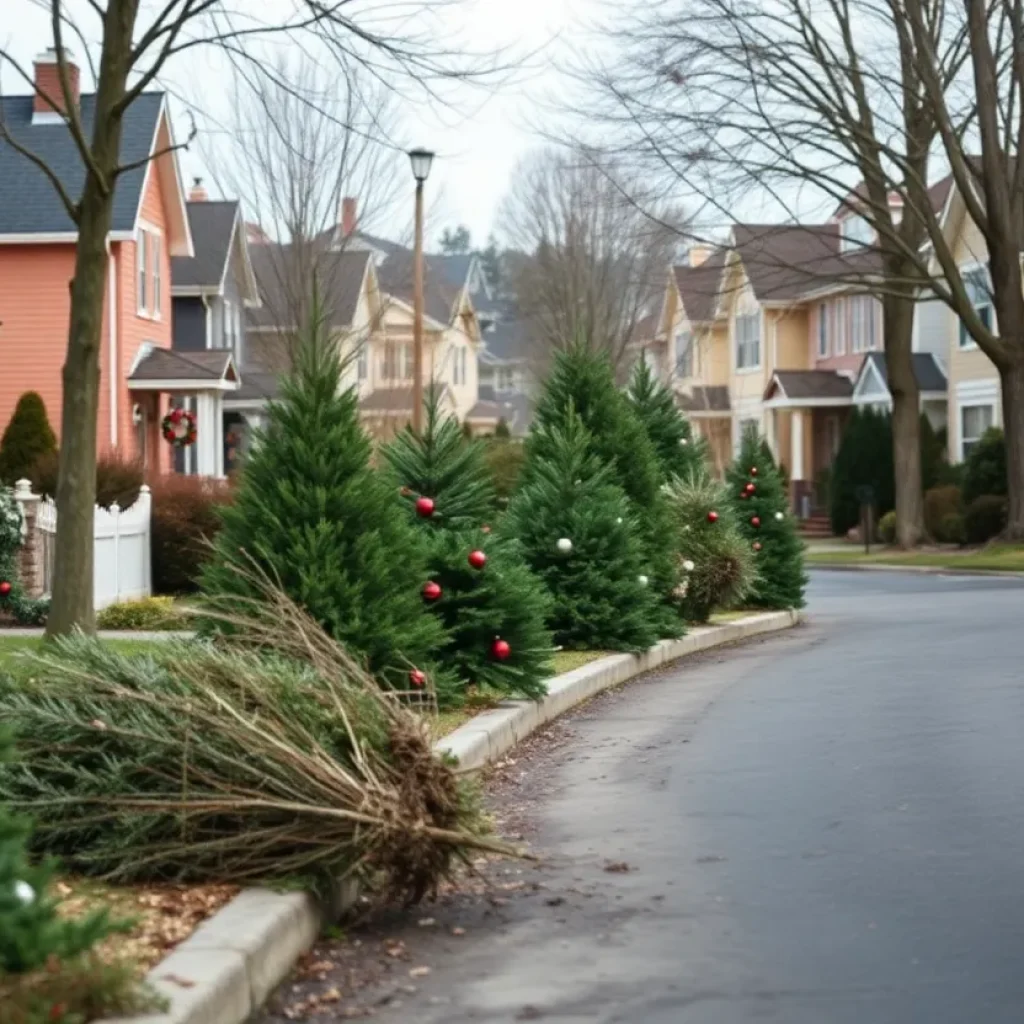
(596, 247)
(726, 98)
(136, 45)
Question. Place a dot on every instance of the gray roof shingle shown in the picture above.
(698, 287)
(162, 364)
(812, 384)
(927, 370)
(29, 204)
(212, 224)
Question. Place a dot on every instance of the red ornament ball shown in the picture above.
(418, 678)
(425, 507)
(756, 545)
(753, 470)
(712, 517)
(431, 590)
(5, 588)
(755, 520)
(751, 488)
(500, 649)
(477, 559)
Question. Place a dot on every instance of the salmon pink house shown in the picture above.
(139, 376)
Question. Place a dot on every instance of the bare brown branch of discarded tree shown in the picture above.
(396, 42)
(725, 98)
(596, 250)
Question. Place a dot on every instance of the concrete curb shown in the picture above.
(229, 966)
(921, 570)
(488, 736)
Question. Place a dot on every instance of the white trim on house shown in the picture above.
(183, 385)
(881, 392)
(56, 237)
(972, 393)
(115, 370)
(807, 403)
(964, 269)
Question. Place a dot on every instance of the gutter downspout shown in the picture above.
(112, 313)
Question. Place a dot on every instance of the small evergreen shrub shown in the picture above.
(147, 613)
(954, 528)
(939, 504)
(864, 459)
(184, 521)
(887, 527)
(985, 467)
(985, 518)
(27, 437)
(118, 480)
(933, 455)
(718, 563)
(505, 458)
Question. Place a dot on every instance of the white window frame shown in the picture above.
(227, 327)
(823, 338)
(156, 243)
(362, 362)
(962, 407)
(856, 233)
(685, 367)
(407, 362)
(142, 272)
(839, 325)
(746, 344)
(964, 341)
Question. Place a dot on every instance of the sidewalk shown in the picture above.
(103, 634)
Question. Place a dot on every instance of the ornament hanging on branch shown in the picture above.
(756, 545)
(477, 559)
(564, 545)
(712, 516)
(418, 678)
(755, 520)
(500, 649)
(178, 428)
(688, 566)
(5, 588)
(431, 590)
(750, 488)
(425, 507)
(753, 470)
(683, 441)
(779, 516)
(642, 580)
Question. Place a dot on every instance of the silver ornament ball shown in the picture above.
(779, 516)
(564, 545)
(643, 580)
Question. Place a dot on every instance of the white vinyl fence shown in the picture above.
(122, 567)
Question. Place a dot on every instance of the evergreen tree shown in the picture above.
(758, 498)
(579, 534)
(13, 600)
(864, 459)
(31, 931)
(678, 451)
(27, 437)
(311, 513)
(443, 465)
(718, 563)
(582, 382)
(493, 612)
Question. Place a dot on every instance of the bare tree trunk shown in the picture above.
(1012, 380)
(898, 314)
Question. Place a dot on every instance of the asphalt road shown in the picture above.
(826, 827)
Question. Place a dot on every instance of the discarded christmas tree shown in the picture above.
(582, 383)
(13, 601)
(492, 608)
(758, 498)
(579, 534)
(718, 564)
(311, 513)
(678, 450)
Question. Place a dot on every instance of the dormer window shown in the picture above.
(856, 232)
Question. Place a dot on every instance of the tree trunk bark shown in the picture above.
(898, 315)
(1012, 381)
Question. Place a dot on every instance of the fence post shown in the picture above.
(30, 561)
(115, 515)
(146, 500)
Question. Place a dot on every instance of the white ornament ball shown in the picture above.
(688, 566)
(779, 516)
(564, 545)
(619, 520)
(25, 893)
(683, 441)
(643, 580)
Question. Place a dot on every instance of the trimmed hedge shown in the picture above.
(985, 467)
(118, 480)
(939, 504)
(28, 437)
(985, 518)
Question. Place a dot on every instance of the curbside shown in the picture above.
(920, 570)
(229, 966)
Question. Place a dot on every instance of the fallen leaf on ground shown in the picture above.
(418, 972)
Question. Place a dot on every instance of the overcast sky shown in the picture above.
(479, 134)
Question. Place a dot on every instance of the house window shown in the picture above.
(862, 326)
(462, 357)
(362, 363)
(974, 421)
(389, 365)
(684, 354)
(141, 255)
(228, 325)
(506, 381)
(748, 341)
(839, 327)
(157, 283)
(407, 358)
(978, 291)
(823, 331)
(857, 233)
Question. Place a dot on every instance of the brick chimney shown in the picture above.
(198, 193)
(349, 218)
(48, 80)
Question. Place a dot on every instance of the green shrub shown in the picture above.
(864, 459)
(985, 518)
(118, 480)
(939, 504)
(15, 604)
(954, 528)
(505, 458)
(147, 613)
(28, 436)
(933, 455)
(985, 467)
(184, 520)
(501, 431)
(887, 527)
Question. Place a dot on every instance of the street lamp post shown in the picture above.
(421, 159)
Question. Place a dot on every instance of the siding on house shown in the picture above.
(189, 323)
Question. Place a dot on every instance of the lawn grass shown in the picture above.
(994, 557)
(13, 646)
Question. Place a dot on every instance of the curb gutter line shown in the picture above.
(231, 964)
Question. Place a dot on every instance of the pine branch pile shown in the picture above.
(210, 762)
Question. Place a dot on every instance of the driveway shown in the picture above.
(826, 827)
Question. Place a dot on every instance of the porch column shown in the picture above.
(796, 445)
(210, 435)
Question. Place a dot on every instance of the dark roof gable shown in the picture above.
(29, 204)
(212, 224)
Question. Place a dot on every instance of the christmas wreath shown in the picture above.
(179, 428)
